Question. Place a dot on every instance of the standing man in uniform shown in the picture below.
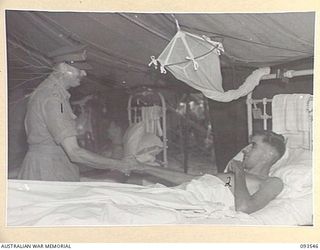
(51, 132)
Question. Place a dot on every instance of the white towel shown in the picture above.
(303, 121)
(151, 117)
(290, 117)
(291, 113)
(278, 113)
(156, 116)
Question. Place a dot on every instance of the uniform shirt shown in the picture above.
(49, 120)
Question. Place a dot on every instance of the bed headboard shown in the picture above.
(149, 106)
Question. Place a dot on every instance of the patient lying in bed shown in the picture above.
(249, 180)
(203, 200)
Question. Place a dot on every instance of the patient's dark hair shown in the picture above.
(275, 140)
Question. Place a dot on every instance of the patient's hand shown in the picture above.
(235, 166)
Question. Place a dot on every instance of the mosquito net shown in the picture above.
(195, 60)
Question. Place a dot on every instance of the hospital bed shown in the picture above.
(40, 203)
(294, 205)
(149, 106)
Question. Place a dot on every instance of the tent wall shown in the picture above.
(17, 144)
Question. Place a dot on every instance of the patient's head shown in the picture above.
(276, 141)
(265, 149)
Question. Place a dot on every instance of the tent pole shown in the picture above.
(185, 136)
(249, 114)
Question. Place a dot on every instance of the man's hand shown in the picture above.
(235, 166)
(130, 163)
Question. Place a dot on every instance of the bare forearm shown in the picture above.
(94, 160)
(83, 156)
(169, 175)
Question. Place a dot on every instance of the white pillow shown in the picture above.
(150, 145)
(132, 138)
(297, 211)
(144, 146)
(295, 172)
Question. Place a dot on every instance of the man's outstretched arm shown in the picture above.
(173, 176)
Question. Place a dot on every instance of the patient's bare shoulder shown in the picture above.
(274, 184)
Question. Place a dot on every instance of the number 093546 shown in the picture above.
(309, 246)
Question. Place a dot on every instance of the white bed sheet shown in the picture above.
(38, 203)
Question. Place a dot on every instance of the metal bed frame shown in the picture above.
(135, 104)
(252, 104)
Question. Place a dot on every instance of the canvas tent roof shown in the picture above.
(119, 45)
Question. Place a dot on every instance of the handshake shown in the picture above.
(130, 163)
